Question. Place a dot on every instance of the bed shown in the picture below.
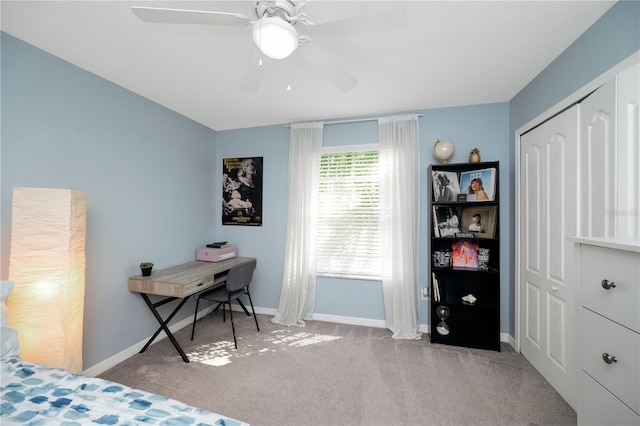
(33, 394)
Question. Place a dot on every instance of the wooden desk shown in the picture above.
(180, 282)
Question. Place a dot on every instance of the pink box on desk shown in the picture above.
(216, 254)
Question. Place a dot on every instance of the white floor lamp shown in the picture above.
(47, 264)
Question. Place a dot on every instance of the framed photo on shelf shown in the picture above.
(479, 220)
(464, 254)
(446, 222)
(445, 186)
(478, 185)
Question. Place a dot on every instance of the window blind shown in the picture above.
(348, 228)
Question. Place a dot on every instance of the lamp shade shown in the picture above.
(275, 37)
(47, 264)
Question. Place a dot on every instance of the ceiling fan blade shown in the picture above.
(255, 72)
(326, 64)
(180, 16)
(322, 13)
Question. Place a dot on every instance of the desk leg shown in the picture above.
(163, 324)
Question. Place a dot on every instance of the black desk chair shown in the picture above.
(237, 284)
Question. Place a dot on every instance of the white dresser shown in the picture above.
(609, 331)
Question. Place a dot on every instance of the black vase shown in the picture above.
(146, 271)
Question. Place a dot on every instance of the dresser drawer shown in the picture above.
(619, 303)
(602, 336)
(599, 407)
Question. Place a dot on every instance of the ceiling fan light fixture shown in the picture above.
(275, 37)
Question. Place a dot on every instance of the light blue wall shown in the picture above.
(266, 242)
(609, 41)
(485, 127)
(148, 173)
(482, 126)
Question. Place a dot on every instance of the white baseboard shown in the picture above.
(350, 320)
(507, 338)
(134, 349)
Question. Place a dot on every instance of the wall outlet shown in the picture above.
(425, 293)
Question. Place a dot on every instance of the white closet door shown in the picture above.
(597, 163)
(547, 208)
(628, 147)
(609, 156)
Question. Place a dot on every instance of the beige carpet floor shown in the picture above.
(336, 374)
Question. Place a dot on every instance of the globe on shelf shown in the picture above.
(443, 150)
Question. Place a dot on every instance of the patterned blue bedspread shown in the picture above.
(32, 394)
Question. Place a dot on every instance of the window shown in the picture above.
(348, 229)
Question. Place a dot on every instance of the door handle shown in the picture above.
(608, 358)
(607, 285)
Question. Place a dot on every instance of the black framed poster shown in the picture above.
(242, 191)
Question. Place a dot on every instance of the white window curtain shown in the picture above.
(297, 298)
(399, 202)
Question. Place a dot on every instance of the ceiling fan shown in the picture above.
(273, 32)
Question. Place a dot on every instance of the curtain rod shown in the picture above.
(355, 120)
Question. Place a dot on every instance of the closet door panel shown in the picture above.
(557, 196)
(533, 200)
(533, 279)
(598, 158)
(628, 209)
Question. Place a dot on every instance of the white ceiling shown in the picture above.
(406, 55)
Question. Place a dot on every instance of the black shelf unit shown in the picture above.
(474, 325)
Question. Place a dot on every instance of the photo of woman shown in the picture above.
(479, 220)
(445, 186)
(242, 191)
(476, 189)
(478, 185)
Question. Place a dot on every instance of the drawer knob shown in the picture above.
(606, 284)
(608, 358)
